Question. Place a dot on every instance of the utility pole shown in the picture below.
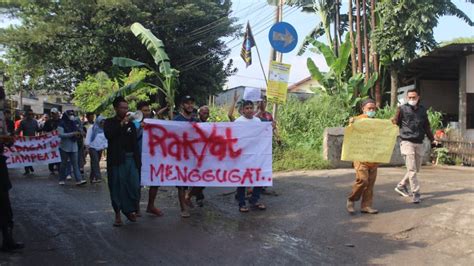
(275, 56)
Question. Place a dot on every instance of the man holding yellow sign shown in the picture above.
(367, 142)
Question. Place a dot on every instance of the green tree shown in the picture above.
(71, 39)
(406, 27)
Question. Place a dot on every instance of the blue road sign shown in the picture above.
(283, 37)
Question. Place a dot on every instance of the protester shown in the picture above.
(247, 111)
(95, 143)
(6, 214)
(203, 116)
(42, 121)
(262, 113)
(144, 107)
(9, 122)
(413, 122)
(28, 127)
(68, 148)
(366, 172)
(18, 120)
(49, 126)
(185, 115)
(123, 162)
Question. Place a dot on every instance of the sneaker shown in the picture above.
(402, 190)
(369, 210)
(416, 198)
(82, 182)
(350, 207)
(62, 183)
(68, 177)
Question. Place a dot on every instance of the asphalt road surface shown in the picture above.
(305, 224)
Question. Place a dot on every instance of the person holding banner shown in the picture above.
(144, 107)
(28, 127)
(6, 214)
(247, 111)
(68, 148)
(186, 115)
(49, 126)
(123, 162)
(366, 172)
(412, 119)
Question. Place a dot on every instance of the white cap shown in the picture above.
(54, 110)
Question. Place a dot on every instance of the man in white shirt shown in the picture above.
(247, 111)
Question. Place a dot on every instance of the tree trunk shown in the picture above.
(359, 43)
(393, 86)
(366, 41)
(351, 34)
(336, 28)
(375, 58)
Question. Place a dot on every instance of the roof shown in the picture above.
(441, 64)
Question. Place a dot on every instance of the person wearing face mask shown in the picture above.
(6, 214)
(68, 148)
(366, 172)
(95, 143)
(412, 119)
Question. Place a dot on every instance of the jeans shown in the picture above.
(95, 164)
(253, 199)
(73, 157)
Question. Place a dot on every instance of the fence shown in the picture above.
(459, 149)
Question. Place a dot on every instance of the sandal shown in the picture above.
(155, 211)
(132, 217)
(243, 209)
(117, 223)
(258, 206)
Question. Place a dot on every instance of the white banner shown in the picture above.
(206, 154)
(36, 150)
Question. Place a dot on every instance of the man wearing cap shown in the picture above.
(366, 172)
(186, 115)
(49, 126)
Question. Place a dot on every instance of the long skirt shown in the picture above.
(124, 186)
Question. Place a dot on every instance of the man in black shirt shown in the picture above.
(123, 162)
(6, 214)
(9, 122)
(413, 122)
(49, 126)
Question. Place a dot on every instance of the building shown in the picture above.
(40, 102)
(445, 80)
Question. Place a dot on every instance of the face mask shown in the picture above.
(412, 102)
(71, 117)
(136, 123)
(370, 114)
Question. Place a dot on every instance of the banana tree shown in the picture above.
(163, 71)
(336, 80)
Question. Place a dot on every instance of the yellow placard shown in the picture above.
(277, 88)
(369, 140)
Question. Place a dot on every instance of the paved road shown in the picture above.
(305, 224)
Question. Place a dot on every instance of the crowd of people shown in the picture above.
(121, 137)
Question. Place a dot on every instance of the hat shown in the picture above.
(187, 98)
(54, 110)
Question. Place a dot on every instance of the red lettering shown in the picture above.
(233, 176)
(247, 175)
(155, 173)
(54, 154)
(207, 176)
(182, 175)
(194, 176)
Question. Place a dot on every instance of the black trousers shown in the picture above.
(6, 215)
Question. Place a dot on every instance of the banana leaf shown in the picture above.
(123, 91)
(127, 62)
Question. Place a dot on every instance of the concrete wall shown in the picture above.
(442, 95)
(332, 148)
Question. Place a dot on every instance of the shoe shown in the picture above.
(8, 243)
(96, 181)
(369, 210)
(416, 198)
(185, 214)
(350, 207)
(82, 182)
(402, 190)
(68, 177)
(62, 183)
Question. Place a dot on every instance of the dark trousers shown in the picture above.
(29, 169)
(253, 199)
(95, 164)
(197, 192)
(6, 214)
(53, 167)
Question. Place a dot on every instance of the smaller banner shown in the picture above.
(278, 76)
(28, 151)
(252, 94)
(369, 140)
(206, 154)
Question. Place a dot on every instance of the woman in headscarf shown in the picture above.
(96, 143)
(69, 134)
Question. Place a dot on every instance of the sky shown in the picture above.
(261, 17)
